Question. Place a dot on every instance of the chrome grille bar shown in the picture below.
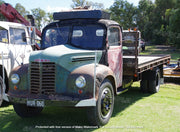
(42, 78)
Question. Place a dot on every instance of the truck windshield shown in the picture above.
(3, 35)
(84, 36)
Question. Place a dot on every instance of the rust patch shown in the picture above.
(88, 72)
(115, 63)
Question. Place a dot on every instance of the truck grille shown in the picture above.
(42, 78)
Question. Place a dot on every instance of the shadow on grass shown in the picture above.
(5, 104)
(125, 100)
(59, 119)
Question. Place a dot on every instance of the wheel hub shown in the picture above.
(106, 101)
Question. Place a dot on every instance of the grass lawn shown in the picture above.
(133, 112)
(162, 49)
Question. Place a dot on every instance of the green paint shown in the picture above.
(67, 59)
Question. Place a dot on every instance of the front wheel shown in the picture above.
(25, 111)
(101, 113)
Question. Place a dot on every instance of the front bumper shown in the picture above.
(63, 101)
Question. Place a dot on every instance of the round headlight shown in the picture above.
(80, 82)
(15, 78)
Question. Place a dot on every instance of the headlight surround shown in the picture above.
(80, 82)
(15, 78)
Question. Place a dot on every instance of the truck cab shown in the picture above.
(16, 47)
(79, 52)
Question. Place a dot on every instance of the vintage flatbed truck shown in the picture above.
(81, 64)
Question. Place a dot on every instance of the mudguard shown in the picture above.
(87, 71)
(22, 71)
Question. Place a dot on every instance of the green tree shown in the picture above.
(96, 5)
(144, 18)
(124, 13)
(79, 3)
(40, 17)
(174, 24)
(160, 33)
(83, 3)
(22, 10)
(49, 17)
(1, 2)
(2, 18)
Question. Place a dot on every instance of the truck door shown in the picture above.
(114, 37)
(20, 49)
(4, 51)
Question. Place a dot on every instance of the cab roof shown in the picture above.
(6, 25)
(81, 14)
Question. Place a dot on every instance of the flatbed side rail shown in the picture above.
(157, 61)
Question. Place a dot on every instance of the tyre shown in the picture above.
(1, 90)
(101, 113)
(154, 83)
(25, 111)
(144, 86)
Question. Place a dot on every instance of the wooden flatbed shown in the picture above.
(138, 64)
(147, 62)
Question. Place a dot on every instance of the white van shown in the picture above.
(16, 41)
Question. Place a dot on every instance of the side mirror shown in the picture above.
(32, 35)
(23, 36)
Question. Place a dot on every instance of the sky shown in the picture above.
(57, 5)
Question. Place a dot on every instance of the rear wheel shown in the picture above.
(25, 111)
(101, 113)
(154, 84)
(150, 81)
(144, 86)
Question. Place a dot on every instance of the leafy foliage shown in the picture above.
(158, 22)
(83, 3)
(2, 18)
(22, 10)
(77, 3)
(124, 13)
(39, 16)
(144, 18)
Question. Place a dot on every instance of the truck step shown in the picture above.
(121, 90)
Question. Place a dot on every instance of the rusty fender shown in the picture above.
(22, 71)
(87, 71)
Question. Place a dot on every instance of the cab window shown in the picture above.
(88, 36)
(17, 36)
(3, 35)
(114, 36)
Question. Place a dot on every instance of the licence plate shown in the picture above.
(35, 103)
